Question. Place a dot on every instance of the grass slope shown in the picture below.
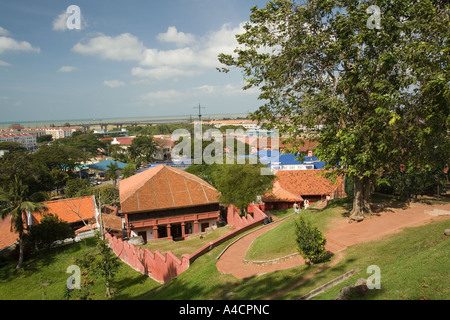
(281, 241)
(414, 265)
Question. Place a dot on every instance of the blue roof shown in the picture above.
(104, 165)
(269, 156)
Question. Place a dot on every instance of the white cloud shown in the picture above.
(179, 38)
(162, 96)
(4, 64)
(114, 83)
(60, 22)
(190, 60)
(67, 69)
(3, 32)
(124, 47)
(165, 96)
(9, 44)
(163, 72)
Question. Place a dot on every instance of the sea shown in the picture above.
(93, 122)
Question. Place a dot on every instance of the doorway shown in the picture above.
(176, 232)
(143, 234)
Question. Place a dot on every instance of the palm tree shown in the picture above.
(16, 203)
(113, 172)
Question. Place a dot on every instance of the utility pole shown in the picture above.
(199, 112)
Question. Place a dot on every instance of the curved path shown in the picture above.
(375, 227)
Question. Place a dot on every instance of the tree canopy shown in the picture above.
(374, 98)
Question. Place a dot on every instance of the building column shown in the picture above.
(196, 226)
(127, 226)
(169, 228)
(183, 229)
(155, 232)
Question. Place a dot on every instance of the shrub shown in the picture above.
(49, 230)
(310, 241)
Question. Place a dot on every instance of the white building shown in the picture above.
(61, 132)
(26, 140)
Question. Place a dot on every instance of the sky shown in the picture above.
(131, 58)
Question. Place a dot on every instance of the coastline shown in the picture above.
(74, 122)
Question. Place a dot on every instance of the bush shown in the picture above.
(310, 241)
(50, 229)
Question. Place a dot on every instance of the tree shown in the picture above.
(310, 240)
(78, 188)
(17, 203)
(240, 184)
(106, 195)
(12, 147)
(129, 170)
(101, 261)
(50, 229)
(106, 264)
(113, 172)
(44, 138)
(373, 98)
(143, 146)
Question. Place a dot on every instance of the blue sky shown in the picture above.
(131, 58)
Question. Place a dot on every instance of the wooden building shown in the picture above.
(298, 186)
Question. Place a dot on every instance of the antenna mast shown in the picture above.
(199, 112)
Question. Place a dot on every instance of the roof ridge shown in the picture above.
(68, 199)
(189, 176)
(147, 180)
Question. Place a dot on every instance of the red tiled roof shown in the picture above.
(279, 194)
(71, 210)
(307, 182)
(7, 237)
(164, 187)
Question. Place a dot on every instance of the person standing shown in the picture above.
(296, 207)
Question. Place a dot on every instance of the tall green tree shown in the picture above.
(129, 170)
(17, 203)
(240, 184)
(373, 97)
(142, 147)
(113, 172)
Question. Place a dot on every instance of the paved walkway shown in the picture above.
(375, 227)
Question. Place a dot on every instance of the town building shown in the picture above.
(166, 202)
(98, 170)
(83, 216)
(26, 140)
(61, 132)
(302, 186)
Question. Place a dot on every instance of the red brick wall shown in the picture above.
(159, 267)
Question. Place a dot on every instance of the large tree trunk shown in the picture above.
(361, 201)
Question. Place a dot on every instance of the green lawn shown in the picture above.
(414, 265)
(280, 241)
(44, 276)
(188, 246)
